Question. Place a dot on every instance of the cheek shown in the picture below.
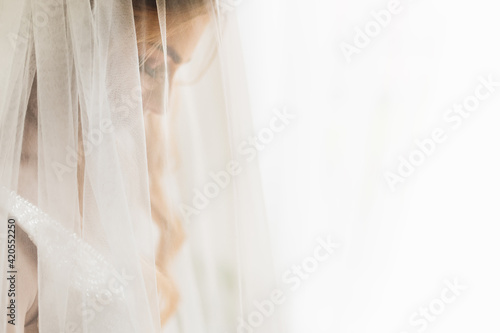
(152, 94)
(147, 82)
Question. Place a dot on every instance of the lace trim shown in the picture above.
(61, 251)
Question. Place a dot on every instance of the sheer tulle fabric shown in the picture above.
(88, 162)
(77, 157)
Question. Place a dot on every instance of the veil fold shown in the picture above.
(83, 162)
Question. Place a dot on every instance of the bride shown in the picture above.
(84, 144)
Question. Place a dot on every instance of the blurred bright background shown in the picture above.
(325, 173)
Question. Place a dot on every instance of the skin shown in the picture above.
(181, 46)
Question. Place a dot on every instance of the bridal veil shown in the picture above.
(132, 184)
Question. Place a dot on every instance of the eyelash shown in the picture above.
(154, 73)
(149, 71)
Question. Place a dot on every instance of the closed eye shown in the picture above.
(156, 72)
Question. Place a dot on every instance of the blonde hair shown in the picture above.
(171, 233)
(179, 14)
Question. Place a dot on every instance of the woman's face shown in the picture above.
(180, 47)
